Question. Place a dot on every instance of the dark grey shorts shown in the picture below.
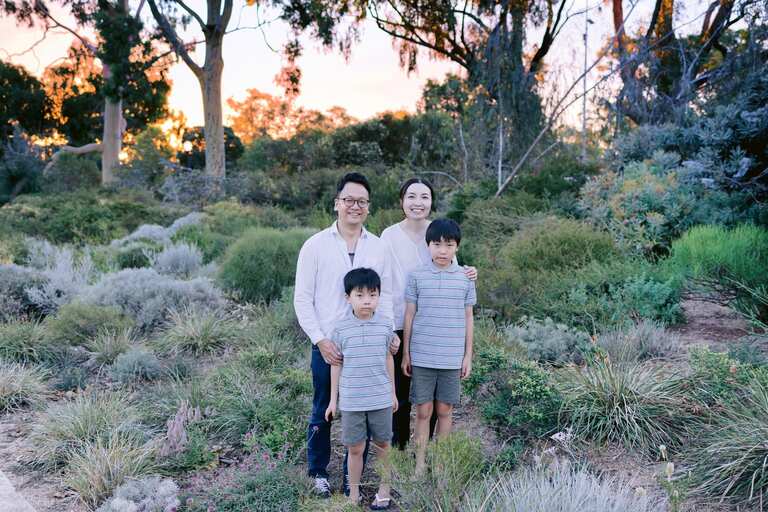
(356, 424)
(428, 384)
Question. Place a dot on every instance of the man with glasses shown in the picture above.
(319, 302)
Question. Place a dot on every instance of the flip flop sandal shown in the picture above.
(375, 504)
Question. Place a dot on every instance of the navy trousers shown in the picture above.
(319, 430)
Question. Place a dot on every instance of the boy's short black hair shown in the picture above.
(443, 230)
(363, 278)
(353, 177)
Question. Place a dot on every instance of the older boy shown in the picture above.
(438, 330)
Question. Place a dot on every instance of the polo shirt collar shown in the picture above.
(359, 321)
(335, 230)
(453, 267)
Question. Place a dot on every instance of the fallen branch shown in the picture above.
(94, 147)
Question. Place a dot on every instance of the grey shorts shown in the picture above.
(428, 384)
(355, 426)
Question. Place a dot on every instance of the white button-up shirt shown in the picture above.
(323, 262)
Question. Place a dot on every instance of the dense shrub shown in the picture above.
(262, 262)
(66, 275)
(729, 460)
(211, 244)
(231, 218)
(72, 172)
(136, 365)
(133, 255)
(14, 298)
(178, 260)
(147, 296)
(66, 426)
(549, 342)
(635, 405)
(637, 342)
(101, 466)
(20, 386)
(198, 332)
(718, 378)
(77, 323)
(559, 487)
(149, 494)
(24, 342)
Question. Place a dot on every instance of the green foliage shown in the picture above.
(211, 244)
(24, 342)
(21, 165)
(549, 342)
(71, 173)
(635, 405)
(456, 464)
(562, 172)
(379, 220)
(729, 460)
(136, 365)
(84, 216)
(521, 400)
(108, 344)
(65, 427)
(199, 332)
(100, 466)
(20, 386)
(22, 99)
(133, 256)
(150, 149)
(262, 262)
(196, 453)
(637, 342)
(77, 323)
(716, 377)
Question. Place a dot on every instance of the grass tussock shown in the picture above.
(20, 386)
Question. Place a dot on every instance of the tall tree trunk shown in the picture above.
(112, 140)
(210, 83)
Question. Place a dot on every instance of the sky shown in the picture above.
(371, 81)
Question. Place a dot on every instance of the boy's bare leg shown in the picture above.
(382, 455)
(423, 413)
(355, 465)
(444, 418)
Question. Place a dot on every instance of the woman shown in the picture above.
(406, 241)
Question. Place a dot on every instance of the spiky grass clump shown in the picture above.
(20, 386)
(66, 427)
(24, 342)
(198, 332)
(560, 487)
(100, 466)
(731, 460)
(108, 344)
(636, 405)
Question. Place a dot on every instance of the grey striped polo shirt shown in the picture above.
(439, 328)
(364, 384)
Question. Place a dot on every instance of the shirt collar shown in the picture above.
(335, 230)
(453, 267)
(359, 321)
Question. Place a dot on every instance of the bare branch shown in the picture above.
(194, 15)
(95, 147)
(173, 39)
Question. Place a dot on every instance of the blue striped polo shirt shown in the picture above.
(364, 384)
(439, 329)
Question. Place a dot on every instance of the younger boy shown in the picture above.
(437, 339)
(365, 380)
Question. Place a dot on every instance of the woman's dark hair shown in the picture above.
(363, 278)
(443, 230)
(422, 181)
(353, 177)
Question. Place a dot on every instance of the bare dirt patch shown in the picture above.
(710, 324)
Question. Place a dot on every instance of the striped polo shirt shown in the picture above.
(439, 328)
(364, 384)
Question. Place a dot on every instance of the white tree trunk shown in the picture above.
(210, 83)
(112, 139)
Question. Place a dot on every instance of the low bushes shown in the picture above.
(15, 280)
(262, 262)
(20, 386)
(136, 365)
(108, 344)
(637, 342)
(149, 494)
(24, 342)
(548, 342)
(77, 323)
(198, 332)
(181, 261)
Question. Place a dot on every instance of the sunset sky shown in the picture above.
(370, 82)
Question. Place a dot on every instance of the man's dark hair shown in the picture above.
(422, 181)
(443, 230)
(363, 278)
(353, 177)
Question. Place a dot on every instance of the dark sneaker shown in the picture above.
(322, 487)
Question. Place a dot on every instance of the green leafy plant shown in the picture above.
(77, 323)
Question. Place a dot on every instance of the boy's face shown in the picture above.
(363, 301)
(443, 251)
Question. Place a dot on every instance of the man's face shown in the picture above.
(363, 301)
(347, 204)
(443, 251)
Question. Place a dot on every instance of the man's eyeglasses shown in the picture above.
(349, 202)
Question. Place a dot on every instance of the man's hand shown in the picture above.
(329, 351)
(395, 403)
(471, 273)
(466, 368)
(331, 411)
(406, 364)
(394, 344)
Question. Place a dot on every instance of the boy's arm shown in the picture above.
(410, 313)
(333, 404)
(391, 372)
(466, 365)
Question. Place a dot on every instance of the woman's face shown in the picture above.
(417, 202)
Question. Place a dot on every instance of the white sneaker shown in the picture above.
(322, 487)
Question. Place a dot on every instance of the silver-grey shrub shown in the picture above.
(148, 296)
(178, 260)
(66, 276)
(150, 494)
(15, 280)
(159, 234)
(549, 342)
(560, 488)
(644, 340)
(136, 365)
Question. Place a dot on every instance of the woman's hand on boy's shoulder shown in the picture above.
(470, 272)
